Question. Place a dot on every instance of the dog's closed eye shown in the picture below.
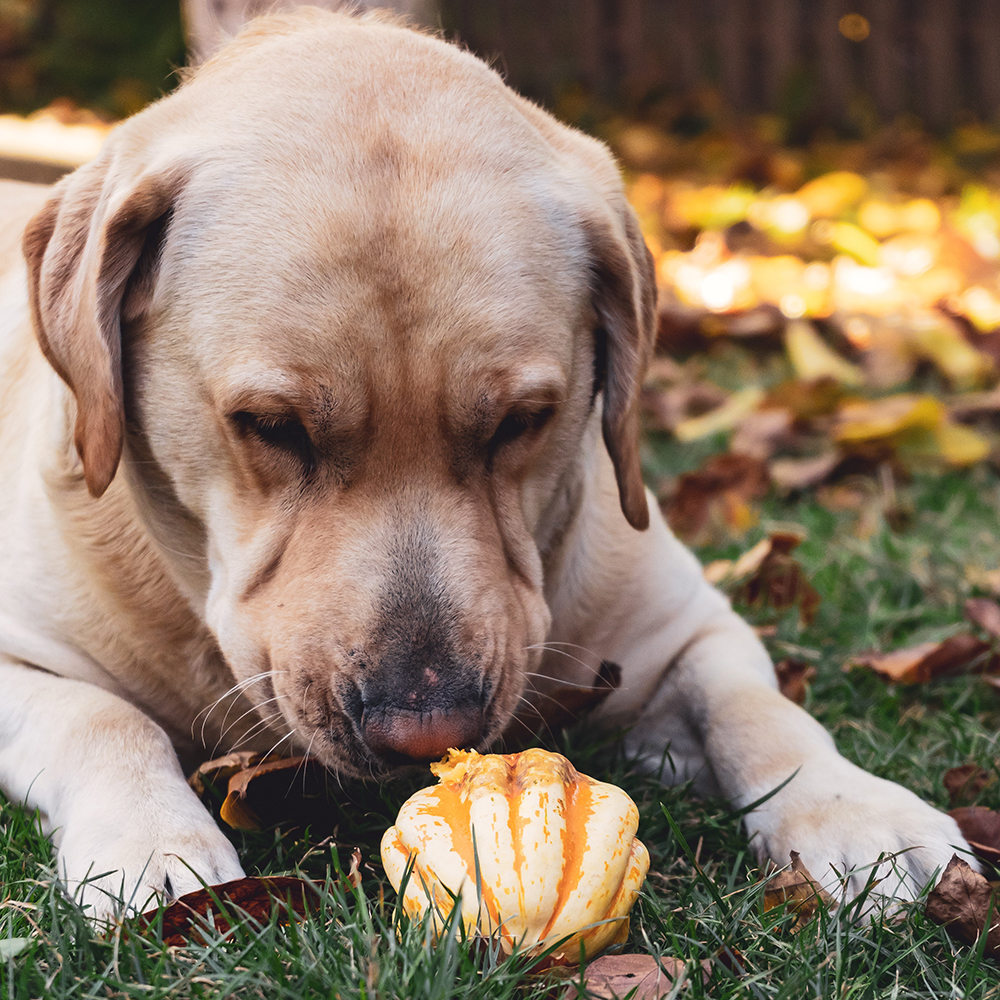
(520, 423)
(279, 432)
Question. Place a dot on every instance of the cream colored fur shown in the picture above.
(358, 231)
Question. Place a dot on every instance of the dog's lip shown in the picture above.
(407, 736)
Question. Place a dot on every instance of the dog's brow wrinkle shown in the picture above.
(266, 573)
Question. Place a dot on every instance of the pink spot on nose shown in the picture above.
(430, 677)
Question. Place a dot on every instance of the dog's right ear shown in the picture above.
(82, 248)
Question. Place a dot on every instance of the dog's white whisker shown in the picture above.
(569, 656)
(560, 681)
(243, 685)
(236, 689)
(249, 711)
(252, 732)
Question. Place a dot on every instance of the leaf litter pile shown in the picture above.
(859, 310)
(830, 323)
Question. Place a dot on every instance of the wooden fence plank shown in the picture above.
(781, 45)
(833, 59)
(985, 32)
(884, 58)
(937, 37)
(731, 35)
(934, 57)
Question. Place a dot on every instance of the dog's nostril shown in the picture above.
(401, 735)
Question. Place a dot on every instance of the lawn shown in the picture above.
(821, 310)
(703, 894)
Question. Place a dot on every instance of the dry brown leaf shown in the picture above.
(961, 902)
(981, 828)
(763, 433)
(964, 783)
(779, 582)
(806, 398)
(976, 404)
(222, 769)
(185, 919)
(638, 977)
(793, 679)
(985, 613)
(795, 887)
(801, 473)
(273, 791)
(666, 408)
(921, 663)
(717, 494)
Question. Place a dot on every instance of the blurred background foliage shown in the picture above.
(113, 56)
(684, 66)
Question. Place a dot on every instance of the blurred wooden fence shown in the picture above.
(939, 59)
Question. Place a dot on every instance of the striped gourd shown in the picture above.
(533, 850)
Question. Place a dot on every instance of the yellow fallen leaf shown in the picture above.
(717, 570)
(921, 215)
(865, 420)
(960, 445)
(938, 339)
(853, 240)
(722, 418)
(830, 194)
(880, 218)
(813, 358)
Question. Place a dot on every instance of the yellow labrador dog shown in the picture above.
(318, 433)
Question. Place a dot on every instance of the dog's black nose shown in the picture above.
(403, 736)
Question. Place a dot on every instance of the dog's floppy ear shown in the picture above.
(624, 286)
(82, 248)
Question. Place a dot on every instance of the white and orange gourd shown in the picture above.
(530, 849)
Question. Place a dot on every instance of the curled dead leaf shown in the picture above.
(793, 679)
(801, 473)
(222, 769)
(964, 783)
(795, 887)
(927, 660)
(966, 904)
(281, 790)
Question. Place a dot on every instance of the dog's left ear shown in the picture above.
(83, 251)
(624, 298)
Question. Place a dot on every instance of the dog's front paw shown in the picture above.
(113, 861)
(841, 820)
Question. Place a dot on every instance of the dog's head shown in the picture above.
(350, 308)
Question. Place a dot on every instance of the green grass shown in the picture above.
(891, 588)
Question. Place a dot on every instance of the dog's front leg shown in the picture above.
(109, 788)
(838, 817)
(700, 701)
